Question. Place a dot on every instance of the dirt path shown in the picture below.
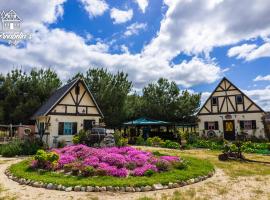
(220, 186)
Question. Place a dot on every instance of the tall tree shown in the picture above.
(21, 94)
(110, 91)
(164, 100)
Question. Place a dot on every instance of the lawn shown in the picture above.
(197, 167)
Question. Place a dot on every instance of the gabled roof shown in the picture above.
(144, 121)
(58, 95)
(6, 15)
(225, 79)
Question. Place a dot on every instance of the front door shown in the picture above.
(88, 124)
(229, 130)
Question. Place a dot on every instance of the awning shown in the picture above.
(144, 122)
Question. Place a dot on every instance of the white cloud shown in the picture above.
(261, 97)
(95, 7)
(135, 28)
(198, 26)
(250, 51)
(121, 16)
(241, 51)
(262, 78)
(35, 14)
(143, 4)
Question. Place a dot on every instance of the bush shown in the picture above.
(149, 172)
(44, 160)
(12, 149)
(88, 171)
(162, 165)
(17, 148)
(181, 165)
(171, 145)
(139, 140)
(120, 141)
(62, 143)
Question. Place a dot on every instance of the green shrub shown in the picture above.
(76, 139)
(162, 166)
(62, 143)
(181, 165)
(171, 145)
(131, 166)
(46, 159)
(149, 142)
(149, 172)
(157, 153)
(12, 149)
(190, 137)
(139, 140)
(120, 141)
(100, 172)
(88, 171)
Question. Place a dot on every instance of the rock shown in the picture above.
(128, 189)
(68, 189)
(50, 186)
(116, 189)
(146, 188)
(196, 180)
(83, 189)
(157, 186)
(109, 188)
(170, 185)
(77, 188)
(190, 181)
(89, 189)
(27, 182)
(102, 189)
(122, 189)
(37, 184)
(96, 189)
(175, 185)
(137, 189)
(108, 141)
(165, 187)
(59, 187)
(63, 188)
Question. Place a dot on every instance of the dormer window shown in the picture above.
(214, 101)
(239, 99)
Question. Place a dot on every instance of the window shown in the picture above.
(211, 125)
(67, 128)
(214, 101)
(248, 124)
(239, 99)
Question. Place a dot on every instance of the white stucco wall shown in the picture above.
(259, 132)
(53, 127)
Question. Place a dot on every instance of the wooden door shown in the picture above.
(229, 129)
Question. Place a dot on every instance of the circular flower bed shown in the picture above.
(81, 160)
(126, 169)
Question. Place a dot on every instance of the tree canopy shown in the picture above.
(21, 94)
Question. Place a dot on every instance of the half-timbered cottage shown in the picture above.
(70, 109)
(228, 112)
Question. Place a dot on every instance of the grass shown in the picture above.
(231, 168)
(197, 167)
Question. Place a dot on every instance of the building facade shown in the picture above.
(228, 112)
(70, 109)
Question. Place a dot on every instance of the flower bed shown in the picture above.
(114, 161)
(151, 171)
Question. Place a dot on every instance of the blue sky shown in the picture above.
(194, 43)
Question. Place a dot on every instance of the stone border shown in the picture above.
(78, 188)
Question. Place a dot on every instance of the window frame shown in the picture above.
(216, 101)
(242, 99)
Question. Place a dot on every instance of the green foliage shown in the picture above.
(88, 171)
(157, 153)
(190, 137)
(45, 159)
(182, 165)
(139, 140)
(21, 94)
(120, 141)
(168, 102)
(162, 166)
(62, 143)
(17, 148)
(154, 141)
(11, 149)
(149, 172)
(81, 137)
(171, 145)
